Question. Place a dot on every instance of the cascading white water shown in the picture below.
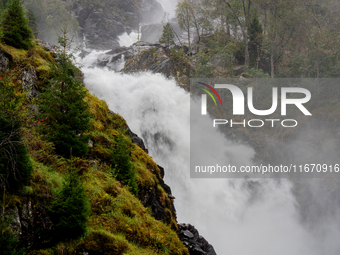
(128, 39)
(240, 217)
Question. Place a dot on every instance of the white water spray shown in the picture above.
(128, 39)
(240, 217)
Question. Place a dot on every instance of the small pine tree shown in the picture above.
(63, 106)
(15, 166)
(167, 36)
(255, 39)
(121, 161)
(32, 23)
(15, 29)
(71, 209)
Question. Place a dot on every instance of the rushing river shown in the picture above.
(238, 217)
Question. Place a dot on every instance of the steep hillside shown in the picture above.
(122, 220)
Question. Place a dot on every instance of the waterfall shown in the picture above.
(238, 217)
(128, 39)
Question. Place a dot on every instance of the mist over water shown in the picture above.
(169, 6)
(238, 217)
(128, 39)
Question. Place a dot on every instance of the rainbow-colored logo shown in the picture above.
(208, 92)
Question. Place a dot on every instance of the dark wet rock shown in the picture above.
(102, 32)
(4, 61)
(84, 52)
(161, 171)
(187, 234)
(103, 60)
(151, 11)
(184, 47)
(171, 196)
(196, 244)
(238, 70)
(115, 58)
(128, 30)
(29, 80)
(155, 61)
(137, 140)
(31, 221)
(101, 24)
(82, 15)
(150, 198)
(47, 46)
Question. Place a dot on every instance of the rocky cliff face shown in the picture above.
(148, 57)
(4, 61)
(196, 243)
(154, 60)
(32, 221)
(101, 22)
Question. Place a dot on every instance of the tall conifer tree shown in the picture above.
(15, 29)
(63, 106)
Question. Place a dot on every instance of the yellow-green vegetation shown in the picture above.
(118, 222)
(17, 55)
(35, 56)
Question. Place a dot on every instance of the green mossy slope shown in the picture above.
(118, 223)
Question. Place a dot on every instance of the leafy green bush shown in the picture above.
(15, 29)
(181, 61)
(205, 68)
(258, 73)
(121, 162)
(153, 50)
(71, 209)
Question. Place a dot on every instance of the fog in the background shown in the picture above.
(169, 6)
(318, 199)
(237, 216)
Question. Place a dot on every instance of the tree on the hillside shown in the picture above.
(280, 29)
(71, 209)
(187, 13)
(195, 17)
(312, 51)
(167, 36)
(15, 29)
(121, 162)
(255, 40)
(50, 14)
(241, 10)
(32, 23)
(62, 105)
(15, 166)
(184, 18)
